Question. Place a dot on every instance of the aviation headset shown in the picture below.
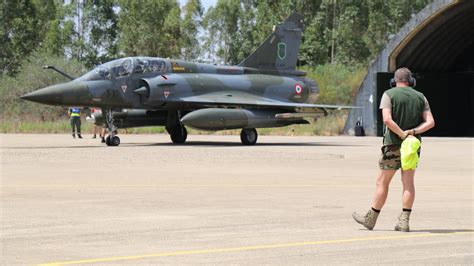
(411, 83)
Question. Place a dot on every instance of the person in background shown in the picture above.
(103, 131)
(94, 126)
(75, 115)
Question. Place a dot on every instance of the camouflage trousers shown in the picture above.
(390, 158)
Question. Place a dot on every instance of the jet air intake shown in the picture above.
(153, 91)
(220, 119)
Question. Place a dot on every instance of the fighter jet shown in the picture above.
(264, 90)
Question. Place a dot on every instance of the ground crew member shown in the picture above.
(406, 113)
(75, 114)
(94, 126)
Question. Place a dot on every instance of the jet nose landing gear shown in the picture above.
(112, 139)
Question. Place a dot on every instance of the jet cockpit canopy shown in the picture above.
(113, 69)
(124, 67)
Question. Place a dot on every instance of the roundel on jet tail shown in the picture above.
(298, 88)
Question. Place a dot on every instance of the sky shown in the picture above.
(205, 3)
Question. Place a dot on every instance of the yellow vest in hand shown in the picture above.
(409, 153)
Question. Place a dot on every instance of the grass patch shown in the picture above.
(41, 127)
(331, 125)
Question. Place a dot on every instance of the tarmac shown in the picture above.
(284, 201)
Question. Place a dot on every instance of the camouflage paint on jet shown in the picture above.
(265, 90)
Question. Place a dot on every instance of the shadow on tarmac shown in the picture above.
(443, 231)
(196, 143)
(238, 144)
(434, 231)
(52, 147)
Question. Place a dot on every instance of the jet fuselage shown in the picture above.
(156, 83)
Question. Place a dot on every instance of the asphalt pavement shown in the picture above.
(284, 201)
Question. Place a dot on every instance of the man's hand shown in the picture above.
(406, 133)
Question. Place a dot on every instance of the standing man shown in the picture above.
(94, 126)
(406, 113)
(75, 114)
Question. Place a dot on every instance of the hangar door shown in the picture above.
(451, 97)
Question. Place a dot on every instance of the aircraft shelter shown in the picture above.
(437, 45)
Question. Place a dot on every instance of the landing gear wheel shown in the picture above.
(179, 135)
(249, 136)
(107, 141)
(112, 141)
(115, 141)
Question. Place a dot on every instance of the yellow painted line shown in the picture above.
(172, 185)
(249, 248)
(211, 185)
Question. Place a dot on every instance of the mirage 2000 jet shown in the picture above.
(265, 90)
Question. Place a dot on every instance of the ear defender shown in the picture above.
(393, 84)
(412, 82)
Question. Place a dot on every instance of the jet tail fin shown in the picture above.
(280, 50)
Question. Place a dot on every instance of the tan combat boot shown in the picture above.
(368, 220)
(403, 221)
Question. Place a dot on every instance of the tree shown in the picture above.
(386, 18)
(352, 26)
(317, 39)
(378, 28)
(402, 10)
(19, 32)
(103, 25)
(86, 30)
(193, 12)
(58, 32)
(149, 28)
(222, 25)
(31, 76)
(46, 12)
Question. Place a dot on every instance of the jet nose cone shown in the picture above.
(60, 94)
(45, 95)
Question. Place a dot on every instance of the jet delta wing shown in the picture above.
(264, 90)
(246, 100)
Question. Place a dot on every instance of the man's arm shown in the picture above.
(388, 121)
(427, 124)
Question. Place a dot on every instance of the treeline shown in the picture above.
(95, 31)
(340, 38)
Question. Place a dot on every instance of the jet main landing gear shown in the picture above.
(175, 128)
(248, 136)
(178, 134)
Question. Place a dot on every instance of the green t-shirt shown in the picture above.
(407, 107)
